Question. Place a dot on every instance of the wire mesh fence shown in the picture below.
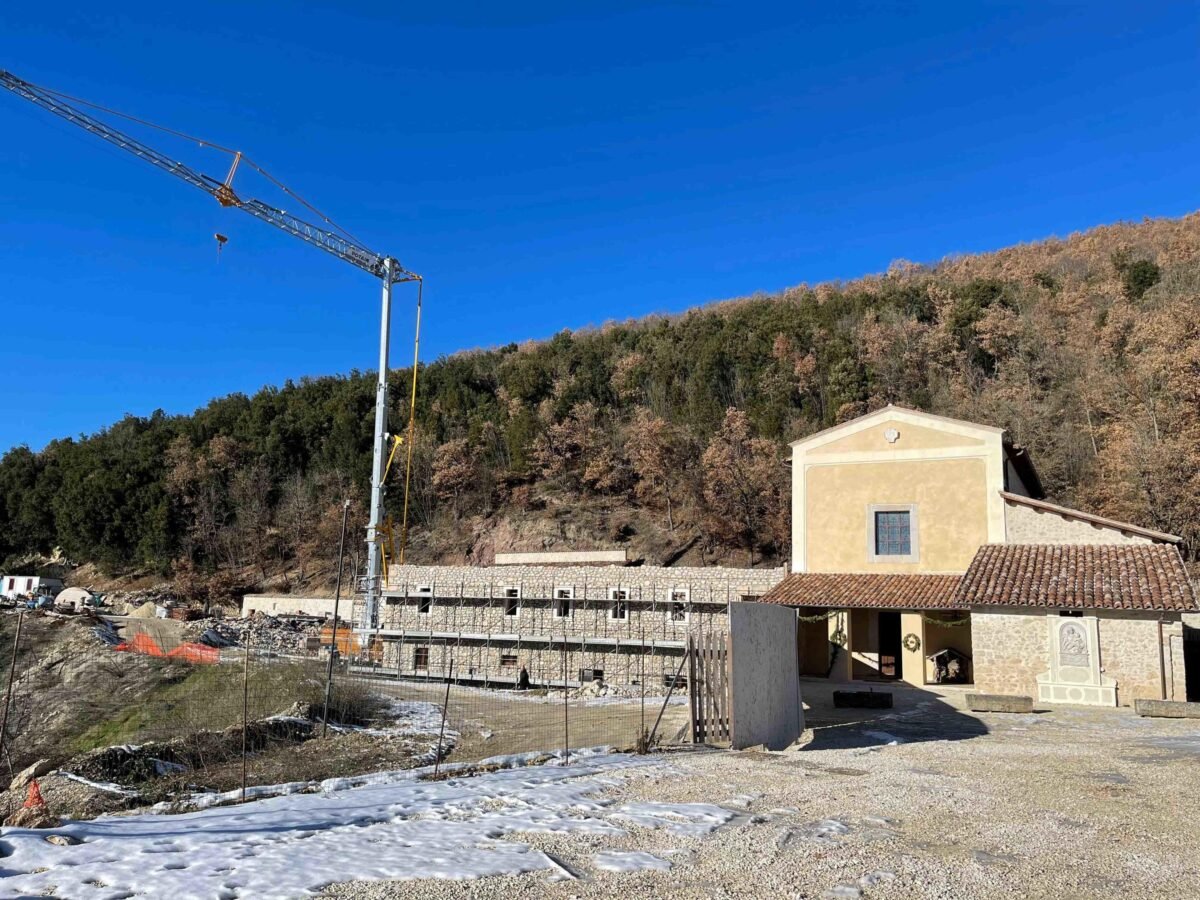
(130, 711)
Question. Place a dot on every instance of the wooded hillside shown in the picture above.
(667, 433)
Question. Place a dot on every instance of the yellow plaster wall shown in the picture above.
(952, 512)
(912, 437)
(912, 662)
(814, 643)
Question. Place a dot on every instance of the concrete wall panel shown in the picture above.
(764, 676)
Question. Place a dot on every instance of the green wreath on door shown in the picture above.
(911, 642)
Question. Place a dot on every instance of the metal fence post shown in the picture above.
(245, 713)
(437, 763)
(8, 695)
(643, 744)
(566, 706)
(337, 596)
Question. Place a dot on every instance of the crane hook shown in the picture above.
(221, 241)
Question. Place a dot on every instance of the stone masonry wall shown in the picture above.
(1009, 650)
(501, 663)
(475, 600)
(1129, 652)
(1025, 525)
(589, 582)
(433, 613)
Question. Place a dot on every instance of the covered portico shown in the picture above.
(855, 627)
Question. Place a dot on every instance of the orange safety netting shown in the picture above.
(188, 652)
(141, 643)
(196, 653)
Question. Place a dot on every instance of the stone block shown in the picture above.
(1006, 703)
(1167, 709)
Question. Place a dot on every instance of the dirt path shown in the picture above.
(495, 722)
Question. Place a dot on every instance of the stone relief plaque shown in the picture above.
(1072, 645)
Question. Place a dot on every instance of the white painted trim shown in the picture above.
(686, 603)
(902, 414)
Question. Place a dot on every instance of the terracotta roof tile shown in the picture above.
(1078, 576)
(844, 590)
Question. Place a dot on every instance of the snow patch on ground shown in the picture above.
(106, 786)
(884, 737)
(631, 861)
(391, 825)
(688, 819)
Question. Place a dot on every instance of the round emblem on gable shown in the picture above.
(891, 435)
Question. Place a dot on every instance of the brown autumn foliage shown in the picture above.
(1086, 349)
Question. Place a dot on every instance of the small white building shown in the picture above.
(293, 605)
(13, 586)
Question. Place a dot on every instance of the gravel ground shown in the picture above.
(1067, 804)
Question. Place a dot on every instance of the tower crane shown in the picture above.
(338, 243)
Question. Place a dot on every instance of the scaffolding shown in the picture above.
(562, 629)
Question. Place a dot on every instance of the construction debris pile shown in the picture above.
(141, 603)
(258, 632)
(594, 689)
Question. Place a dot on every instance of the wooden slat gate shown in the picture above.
(708, 687)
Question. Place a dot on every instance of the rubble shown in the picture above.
(257, 631)
(32, 817)
(593, 689)
(66, 796)
(124, 603)
(37, 770)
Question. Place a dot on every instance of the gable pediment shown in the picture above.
(894, 429)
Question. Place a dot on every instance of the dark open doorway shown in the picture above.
(889, 644)
(1191, 662)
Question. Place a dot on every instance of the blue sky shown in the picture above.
(543, 165)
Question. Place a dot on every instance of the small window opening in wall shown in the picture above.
(421, 589)
(893, 532)
(678, 605)
(508, 660)
(512, 592)
(424, 605)
(511, 605)
(670, 679)
(1071, 613)
(619, 610)
(421, 658)
(749, 598)
(586, 675)
(562, 606)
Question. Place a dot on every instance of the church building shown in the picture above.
(924, 550)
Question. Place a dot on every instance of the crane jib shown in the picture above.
(344, 249)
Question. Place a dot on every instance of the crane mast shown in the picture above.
(385, 268)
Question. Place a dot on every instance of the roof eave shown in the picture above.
(1082, 516)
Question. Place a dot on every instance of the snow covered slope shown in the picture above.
(389, 825)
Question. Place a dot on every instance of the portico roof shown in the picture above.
(845, 590)
(1078, 576)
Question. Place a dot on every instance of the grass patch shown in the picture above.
(191, 698)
